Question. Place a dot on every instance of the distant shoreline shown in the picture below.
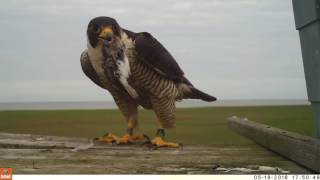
(11, 106)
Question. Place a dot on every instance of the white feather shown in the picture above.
(124, 73)
(124, 67)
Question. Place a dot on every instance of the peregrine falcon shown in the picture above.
(138, 71)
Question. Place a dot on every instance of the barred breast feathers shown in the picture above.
(151, 81)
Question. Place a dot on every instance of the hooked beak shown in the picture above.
(106, 34)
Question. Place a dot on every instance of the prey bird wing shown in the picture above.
(116, 66)
(154, 54)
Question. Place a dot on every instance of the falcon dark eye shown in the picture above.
(95, 29)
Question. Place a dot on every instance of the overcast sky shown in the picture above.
(233, 49)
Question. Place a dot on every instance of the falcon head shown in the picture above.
(103, 30)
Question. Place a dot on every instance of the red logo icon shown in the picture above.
(5, 173)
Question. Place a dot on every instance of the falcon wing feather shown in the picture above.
(153, 53)
(88, 69)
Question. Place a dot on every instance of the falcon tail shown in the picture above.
(197, 94)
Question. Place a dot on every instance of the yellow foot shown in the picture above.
(126, 139)
(107, 138)
(130, 139)
(158, 142)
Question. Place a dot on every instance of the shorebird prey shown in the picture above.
(137, 70)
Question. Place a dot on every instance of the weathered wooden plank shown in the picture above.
(34, 154)
(8, 140)
(301, 149)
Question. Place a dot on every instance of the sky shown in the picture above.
(232, 49)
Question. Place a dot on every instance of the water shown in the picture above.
(111, 105)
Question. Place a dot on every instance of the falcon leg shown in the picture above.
(164, 109)
(130, 111)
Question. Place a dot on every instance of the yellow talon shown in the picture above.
(129, 139)
(138, 137)
(126, 139)
(108, 138)
(159, 142)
